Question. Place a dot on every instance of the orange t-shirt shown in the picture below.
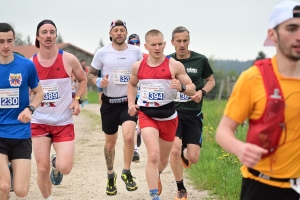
(248, 100)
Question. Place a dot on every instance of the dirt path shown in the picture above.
(87, 180)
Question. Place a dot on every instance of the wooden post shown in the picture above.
(221, 90)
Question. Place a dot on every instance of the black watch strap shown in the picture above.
(31, 108)
(203, 92)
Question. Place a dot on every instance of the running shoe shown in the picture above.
(111, 188)
(181, 195)
(129, 181)
(11, 177)
(55, 176)
(136, 157)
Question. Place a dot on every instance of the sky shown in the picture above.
(219, 29)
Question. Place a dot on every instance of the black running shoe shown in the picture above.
(129, 181)
(111, 188)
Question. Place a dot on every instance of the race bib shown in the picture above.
(152, 93)
(295, 184)
(121, 76)
(180, 97)
(9, 98)
(50, 93)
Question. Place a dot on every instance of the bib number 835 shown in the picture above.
(9, 101)
(156, 96)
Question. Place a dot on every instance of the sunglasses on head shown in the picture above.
(134, 42)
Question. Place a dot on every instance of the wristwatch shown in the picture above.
(203, 92)
(79, 99)
(31, 108)
(183, 88)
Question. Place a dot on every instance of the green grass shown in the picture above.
(216, 170)
(93, 97)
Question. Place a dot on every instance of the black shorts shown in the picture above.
(252, 189)
(114, 115)
(189, 128)
(16, 148)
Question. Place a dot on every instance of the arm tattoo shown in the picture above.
(109, 157)
(93, 73)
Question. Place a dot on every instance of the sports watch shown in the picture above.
(203, 92)
(183, 88)
(79, 99)
(31, 108)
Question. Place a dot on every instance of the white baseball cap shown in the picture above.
(281, 13)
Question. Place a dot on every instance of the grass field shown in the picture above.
(216, 170)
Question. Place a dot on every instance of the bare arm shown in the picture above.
(210, 84)
(248, 154)
(132, 89)
(37, 98)
(92, 75)
(182, 76)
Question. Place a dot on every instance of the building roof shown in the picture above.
(30, 50)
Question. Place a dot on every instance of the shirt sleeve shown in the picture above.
(207, 70)
(96, 62)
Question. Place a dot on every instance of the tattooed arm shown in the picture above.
(92, 75)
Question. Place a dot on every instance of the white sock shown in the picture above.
(135, 148)
(49, 198)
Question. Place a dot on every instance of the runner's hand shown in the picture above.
(249, 154)
(104, 81)
(75, 108)
(197, 97)
(25, 116)
(133, 110)
(175, 84)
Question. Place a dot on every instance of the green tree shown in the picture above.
(261, 55)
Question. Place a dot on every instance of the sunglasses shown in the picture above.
(134, 42)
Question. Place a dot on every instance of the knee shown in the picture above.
(43, 170)
(128, 139)
(5, 188)
(21, 191)
(153, 157)
(65, 169)
(194, 158)
(110, 145)
(175, 153)
(164, 161)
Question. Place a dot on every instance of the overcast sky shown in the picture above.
(224, 29)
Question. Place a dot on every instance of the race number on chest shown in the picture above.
(152, 93)
(121, 76)
(9, 98)
(50, 93)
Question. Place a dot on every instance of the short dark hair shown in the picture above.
(82, 60)
(153, 32)
(5, 27)
(179, 29)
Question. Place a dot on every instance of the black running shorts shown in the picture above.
(16, 148)
(114, 115)
(255, 190)
(189, 128)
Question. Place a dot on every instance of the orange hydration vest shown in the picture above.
(266, 131)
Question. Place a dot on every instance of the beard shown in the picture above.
(288, 52)
(119, 42)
